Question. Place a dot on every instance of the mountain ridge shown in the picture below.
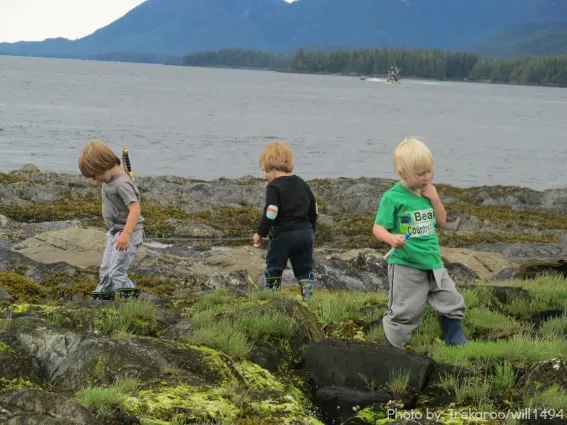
(178, 27)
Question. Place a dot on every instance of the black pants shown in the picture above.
(295, 245)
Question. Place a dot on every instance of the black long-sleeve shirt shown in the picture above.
(290, 205)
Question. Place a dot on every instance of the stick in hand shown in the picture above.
(406, 237)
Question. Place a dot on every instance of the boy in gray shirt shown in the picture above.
(122, 216)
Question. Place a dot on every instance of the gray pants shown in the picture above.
(410, 290)
(114, 267)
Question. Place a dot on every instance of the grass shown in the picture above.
(228, 323)
(398, 382)
(505, 340)
(102, 401)
(132, 317)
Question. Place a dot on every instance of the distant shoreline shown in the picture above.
(447, 80)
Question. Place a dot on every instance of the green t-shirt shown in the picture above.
(402, 212)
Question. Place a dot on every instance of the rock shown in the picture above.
(504, 274)
(181, 331)
(193, 230)
(11, 260)
(5, 297)
(30, 168)
(518, 252)
(356, 364)
(340, 403)
(78, 247)
(17, 367)
(543, 376)
(484, 264)
(37, 407)
(85, 247)
(69, 360)
(532, 268)
(461, 274)
(359, 270)
(360, 368)
(269, 353)
(508, 294)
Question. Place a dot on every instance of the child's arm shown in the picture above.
(313, 210)
(134, 211)
(397, 241)
(270, 214)
(430, 192)
(385, 221)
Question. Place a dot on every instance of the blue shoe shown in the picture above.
(452, 331)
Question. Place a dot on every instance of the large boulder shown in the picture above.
(71, 360)
(350, 374)
(31, 406)
(484, 264)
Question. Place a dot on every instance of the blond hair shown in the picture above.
(276, 156)
(412, 157)
(96, 158)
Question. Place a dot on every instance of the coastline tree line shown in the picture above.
(420, 63)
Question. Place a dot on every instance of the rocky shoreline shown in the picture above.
(206, 345)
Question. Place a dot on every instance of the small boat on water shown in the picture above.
(392, 78)
(393, 75)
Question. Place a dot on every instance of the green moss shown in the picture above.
(21, 287)
(5, 347)
(505, 216)
(63, 209)
(164, 402)
(371, 416)
(467, 239)
(10, 178)
(9, 385)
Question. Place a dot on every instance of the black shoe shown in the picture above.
(128, 293)
(106, 296)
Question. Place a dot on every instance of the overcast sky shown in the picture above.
(31, 20)
(41, 19)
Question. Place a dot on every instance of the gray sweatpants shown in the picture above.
(114, 266)
(410, 290)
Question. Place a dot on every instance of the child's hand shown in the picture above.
(122, 242)
(429, 191)
(397, 241)
(256, 239)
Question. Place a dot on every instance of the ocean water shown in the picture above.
(209, 123)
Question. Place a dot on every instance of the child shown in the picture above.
(290, 217)
(415, 271)
(122, 216)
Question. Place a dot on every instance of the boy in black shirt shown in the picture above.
(290, 217)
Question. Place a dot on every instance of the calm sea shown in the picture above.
(208, 123)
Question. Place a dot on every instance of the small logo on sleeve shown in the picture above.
(272, 212)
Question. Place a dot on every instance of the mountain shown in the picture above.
(525, 40)
(177, 27)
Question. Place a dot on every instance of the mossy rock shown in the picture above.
(252, 395)
(542, 266)
(21, 287)
(18, 370)
(543, 376)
